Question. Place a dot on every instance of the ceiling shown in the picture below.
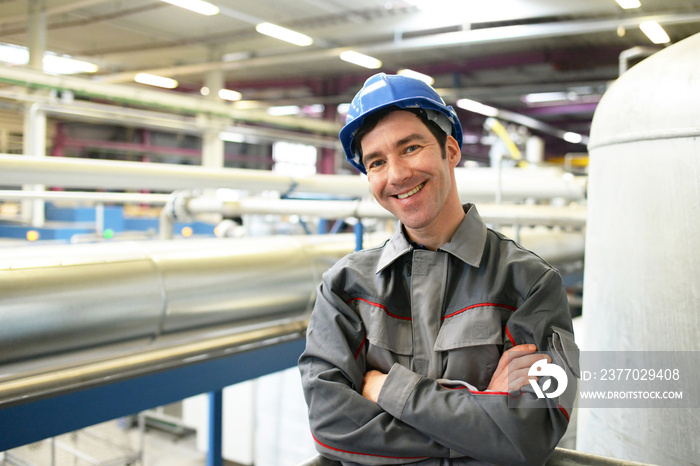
(494, 52)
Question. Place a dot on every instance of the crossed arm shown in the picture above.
(366, 417)
(510, 375)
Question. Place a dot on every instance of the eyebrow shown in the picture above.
(401, 142)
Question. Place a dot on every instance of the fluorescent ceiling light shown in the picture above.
(14, 55)
(314, 109)
(236, 56)
(228, 94)
(477, 107)
(52, 63)
(579, 94)
(546, 97)
(198, 6)
(343, 108)
(573, 138)
(65, 65)
(628, 4)
(153, 80)
(284, 110)
(360, 59)
(654, 32)
(287, 35)
(415, 74)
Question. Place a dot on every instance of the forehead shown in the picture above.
(395, 125)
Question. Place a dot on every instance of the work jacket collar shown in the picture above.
(467, 244)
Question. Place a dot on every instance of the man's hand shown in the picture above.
(374, 381)
(511, 373)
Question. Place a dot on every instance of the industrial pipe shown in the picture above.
(160, 99)
(502, 214)
(62, 298)
(91, 112)
(29, 381)
(473, 184)
(108, 174)
(86, 197)
(573, 215)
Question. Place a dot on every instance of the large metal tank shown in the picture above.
(642, 267)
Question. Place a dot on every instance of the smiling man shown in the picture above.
(411, 174)
(418, 351)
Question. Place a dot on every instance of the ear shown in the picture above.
(454, 154)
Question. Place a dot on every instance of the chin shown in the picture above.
(413, 223)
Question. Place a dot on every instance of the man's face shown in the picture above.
(407, 172)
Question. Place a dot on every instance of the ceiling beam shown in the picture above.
(434, 41)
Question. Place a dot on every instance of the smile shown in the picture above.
(411, 192)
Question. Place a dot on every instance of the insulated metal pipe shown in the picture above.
(473, 184)
(25, 382)
(574, 216)
(107, 174)
(160, 99)
(502, 214)
(63, 298)
(87, 197)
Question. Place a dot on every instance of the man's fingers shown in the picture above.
(514, 353)
(513, 367)
(519, 368)
(521, 350)
(519, 377)
(518, 382)
(527, 361)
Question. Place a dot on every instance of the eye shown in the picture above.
(375, 164)
(411, 148)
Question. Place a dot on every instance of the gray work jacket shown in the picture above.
(437, 322)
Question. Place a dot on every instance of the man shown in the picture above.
(419, 351)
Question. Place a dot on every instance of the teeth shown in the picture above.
(411, 192)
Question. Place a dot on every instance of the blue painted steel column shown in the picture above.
(214, 453)
(322, 226)
(359, 233)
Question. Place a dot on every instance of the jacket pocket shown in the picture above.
(474, 327)
(472, 343)
(390, 337)
(390, 333)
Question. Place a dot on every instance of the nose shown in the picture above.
(399, 171)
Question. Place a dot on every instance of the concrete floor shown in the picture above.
(109, 444)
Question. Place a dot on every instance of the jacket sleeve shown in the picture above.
(345, 425)
(497, 427)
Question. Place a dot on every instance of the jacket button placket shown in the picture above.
(428, 278)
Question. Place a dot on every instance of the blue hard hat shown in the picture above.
(381, 91)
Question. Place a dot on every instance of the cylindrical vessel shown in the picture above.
(642, 267)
